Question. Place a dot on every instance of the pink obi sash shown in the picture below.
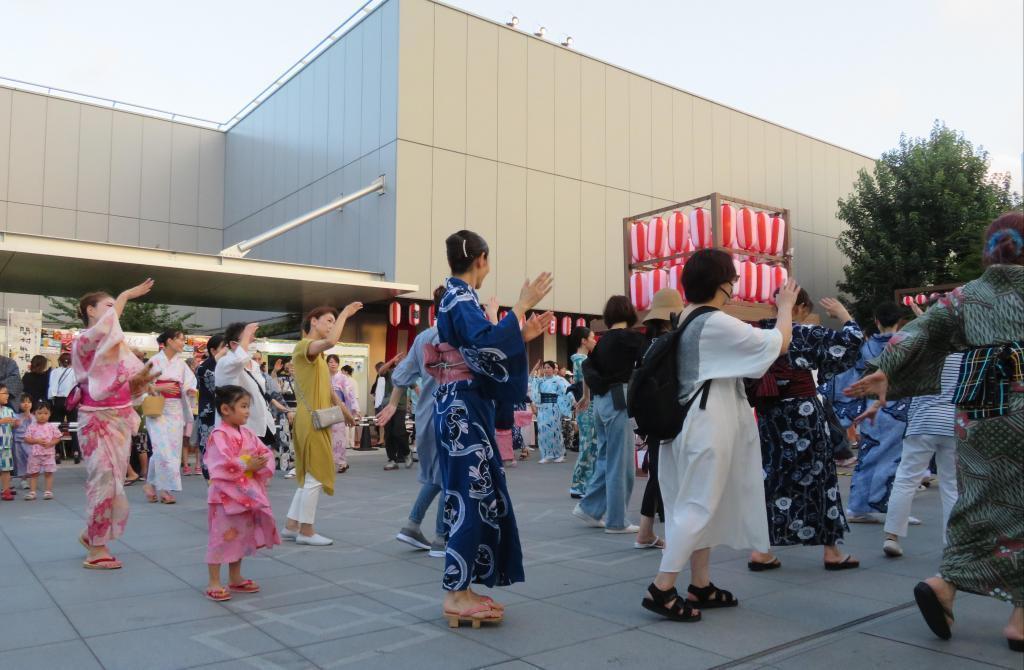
(445, 364)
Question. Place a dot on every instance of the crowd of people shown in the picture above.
(744, 453)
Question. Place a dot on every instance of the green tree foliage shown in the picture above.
(138, 317)
(919, 219)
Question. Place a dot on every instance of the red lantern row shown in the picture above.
(676, 233)
(920, 298)
(757, 282)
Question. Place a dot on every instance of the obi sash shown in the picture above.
(168, 389)
(445, 364)
(548, 398)
(988, 375)
(783, 382)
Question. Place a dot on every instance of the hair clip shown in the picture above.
(464, 253)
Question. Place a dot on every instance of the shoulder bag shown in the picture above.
(322, 418)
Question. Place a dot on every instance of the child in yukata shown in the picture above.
(7, 421)
(41, 438)
(22, 450)
(240, 519)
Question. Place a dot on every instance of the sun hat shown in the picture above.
(664, 304)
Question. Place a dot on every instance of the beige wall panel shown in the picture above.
(412, 218)
(125, 165)
(449, 79)
(790, 172)
(739, 156)
(94, 140)
(6, 95)
(682, 147)
(211, 180)
(567, 267)
(540, 106)
(803, 258)
(59, 222)
(773, 164)
(482, 215)
(616, 207)
(512, 93)
(28, 143)
(60, 164)
(540, 227)
(124, 230)
(831, 192)
(592, 121)
(639, 203)
(185, 174)
(89, 226)
(639, 134)
(23, 218)
(592, 248)
(482, 89)
(616, 96)
(155, 202)
(182, 238)
(804, 184)
(447, 207)
(416, 71)
(819, 188)
(662, 144)
(703, 148)
(510, 250)
(755, 159)
(567, 113)
(721, 146)
(3, 212)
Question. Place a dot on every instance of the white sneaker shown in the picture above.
(578, 512)
(290, 474)
(913, 521)
(314, 540)
(544, 461)
(892, 548)
(560, 460)
(861, 518)
(288, 534)
(631, 528)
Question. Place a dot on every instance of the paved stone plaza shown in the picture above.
(371, 602)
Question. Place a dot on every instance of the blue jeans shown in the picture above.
(611, 485)
(419, 508)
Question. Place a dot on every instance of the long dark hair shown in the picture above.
(578, 335)
(463, 248)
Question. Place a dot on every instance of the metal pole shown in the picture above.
(244, 247)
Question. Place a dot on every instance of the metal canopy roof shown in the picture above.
(60, 267)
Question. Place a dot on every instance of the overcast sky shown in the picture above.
(856, 74)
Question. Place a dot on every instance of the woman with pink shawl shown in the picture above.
(109, 376)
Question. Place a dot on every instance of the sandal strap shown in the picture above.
(711, 593)
(661, 597)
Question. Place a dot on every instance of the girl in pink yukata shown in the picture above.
(41, 438)
(240, 519)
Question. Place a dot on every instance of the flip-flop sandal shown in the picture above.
(471, 616)
(658, 543)
(758, 566)
(848, 563)
(247, 586)
(104, 563)
(167, 501)
(129, 482)
(218, 595)
(495, 605)
(933, 611)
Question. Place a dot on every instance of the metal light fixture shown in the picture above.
(541, 32)
(567, 42)
(513, 22)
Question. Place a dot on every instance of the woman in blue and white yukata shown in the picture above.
(551, 397)
(481, 373)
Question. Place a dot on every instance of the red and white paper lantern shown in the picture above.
(763, 292)
(908, 300)
(567, 326)
(581, 322)
(700, 228)
(678, 232)
(638, 291)
(638, 241)
(657, 238)
(432, 316)
(746, 229)
(395, 314)
(921, 299)
(552, 326)
(746, 288)
(658, 279)
(675, 278)
(414, 314)
(728, 226)
(776, 238)
(779, 278)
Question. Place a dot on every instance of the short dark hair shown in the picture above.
(229, 394)
(438, 297)
(316, 313)
(347, 369)
(704, 272)
(215, 342)
(23, 397)
(619, 309)
(38, 364)
(888, 314)
(335, 357)
(43, 404)
(552, 364)
(233, 332)
(463, 248)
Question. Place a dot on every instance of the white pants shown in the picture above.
(917, 452)
(303, 507)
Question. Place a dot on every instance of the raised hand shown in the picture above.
(534, 291)
(492, 310)
(787, 295)
(536, 325)
(835, 309)
(138, 291)
(351, 309)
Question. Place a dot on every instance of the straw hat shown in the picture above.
(664, 304)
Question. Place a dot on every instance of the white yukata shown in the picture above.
(167, 431)
(710, 474)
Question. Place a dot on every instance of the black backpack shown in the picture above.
(653, 400)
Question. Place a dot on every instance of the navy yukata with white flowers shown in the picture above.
(483, 539)
(801, 487)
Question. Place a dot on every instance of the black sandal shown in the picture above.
(711, 597)
(681, 609)
(848, 563)
(933, 611)
(758, 566)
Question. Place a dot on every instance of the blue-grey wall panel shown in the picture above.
(370, 113)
